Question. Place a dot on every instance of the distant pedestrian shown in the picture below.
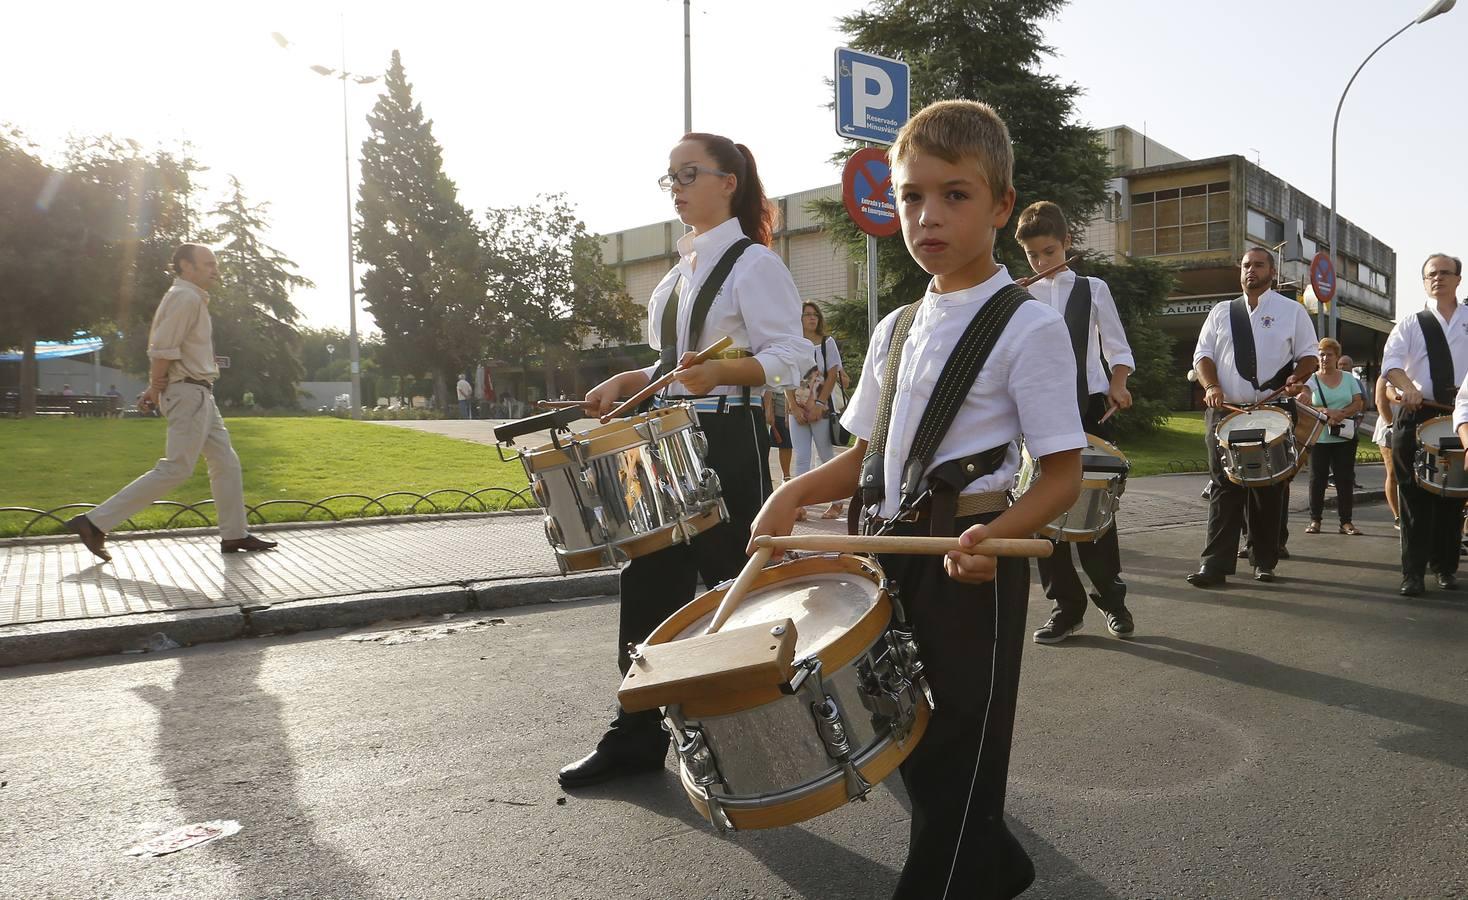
(1386, 413)
(466, 398)
(1338, 395)
(66, 391)
(181, 378)
(114, 400)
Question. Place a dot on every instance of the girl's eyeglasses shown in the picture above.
(686, 176)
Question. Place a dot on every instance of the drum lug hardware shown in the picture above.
(604, 531)
(777, 630)
(698, 760)
(805, 669)
(832, 730)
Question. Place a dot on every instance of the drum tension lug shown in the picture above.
(805, 669)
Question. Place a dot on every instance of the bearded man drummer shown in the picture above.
(1426, 358)
(1248, 348)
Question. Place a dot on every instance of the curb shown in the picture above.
(44, 642)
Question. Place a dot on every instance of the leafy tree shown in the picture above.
(988, 50)
(554, 287)
(251, 305)
(427, 277)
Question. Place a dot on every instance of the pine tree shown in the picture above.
(251, 306)
(427, 276)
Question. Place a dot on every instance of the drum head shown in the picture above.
(1276, 423)
(1434, 430)
(823, 605)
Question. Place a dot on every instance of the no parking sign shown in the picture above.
(866, 190)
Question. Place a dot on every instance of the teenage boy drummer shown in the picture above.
(952, 167)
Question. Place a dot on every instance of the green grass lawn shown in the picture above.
(46, 463)
(1178, 446)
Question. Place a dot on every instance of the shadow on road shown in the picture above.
(224, 748)
(1442, 726)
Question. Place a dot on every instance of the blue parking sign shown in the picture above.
(872, 96)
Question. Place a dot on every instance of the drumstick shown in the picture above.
(922, 546)
(1031, 279)
(559, 404)
(628, 406)
(1109, 413)
(739, 588)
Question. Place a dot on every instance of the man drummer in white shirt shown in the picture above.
(1282, 338)
(1426, 358)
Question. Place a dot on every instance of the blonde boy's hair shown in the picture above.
(957, 130)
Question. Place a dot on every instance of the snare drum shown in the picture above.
(1104, 471)
(1438, 468)
(625, 489)
(855, 708)
(1258, 447)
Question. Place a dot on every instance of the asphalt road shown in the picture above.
(1304, 739)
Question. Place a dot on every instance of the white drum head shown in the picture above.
(1276, 423)
(1434, 430)
(823, 607)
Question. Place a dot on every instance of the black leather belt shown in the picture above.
(206, 385)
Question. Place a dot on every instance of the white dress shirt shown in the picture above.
(1282, 333)
(1026, 388)
(758, 307)
(1406, 348)
(1460, 406)
(1106, 333)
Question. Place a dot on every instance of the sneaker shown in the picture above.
(1056, 630)
(1119, 622)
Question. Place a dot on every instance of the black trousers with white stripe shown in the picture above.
(970, 639)
(1432, 524)
(655, 586)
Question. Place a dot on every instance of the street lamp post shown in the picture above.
(342, 73)
(1437, 8)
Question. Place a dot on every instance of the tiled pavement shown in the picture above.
(55, 579)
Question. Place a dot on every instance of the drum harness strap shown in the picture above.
(1439, 357)
(953, 386)
(1078, 323)
(705, 299)
(1246, 359)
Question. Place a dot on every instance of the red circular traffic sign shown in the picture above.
(866, 191)
(1322, 277)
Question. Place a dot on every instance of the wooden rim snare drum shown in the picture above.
(775, 754)
(1258, 447)
(1438, 468)
(625, 489)
(1104, 471)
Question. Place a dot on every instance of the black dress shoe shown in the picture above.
(1412, 586)
(1206, 579)
(1448, 582)
(247, 544)
(1265, 575)
(599, 766)
(91, 536)
(1244, 553)
(1283, 553)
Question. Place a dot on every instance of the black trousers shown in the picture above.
(1100, 558)
(1431, 525)
(970, 639)
(655, 586)
(1338, 458)
(1230, 506)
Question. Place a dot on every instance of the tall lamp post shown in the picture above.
(1437, 8)
(344, 75)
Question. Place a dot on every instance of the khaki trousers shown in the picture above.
(194, 427)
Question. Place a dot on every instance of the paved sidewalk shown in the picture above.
(55, 580)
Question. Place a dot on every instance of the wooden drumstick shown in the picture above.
(628, 406)
(1109, 413)
(1031, 279)
(921, 546)
(739, 588)
(559, 404)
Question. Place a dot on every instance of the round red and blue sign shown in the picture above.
(866, 190)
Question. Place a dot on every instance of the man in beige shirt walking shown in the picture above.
(181, 384)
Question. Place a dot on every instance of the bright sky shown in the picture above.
(585, 97)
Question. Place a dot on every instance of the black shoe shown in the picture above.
(1244, 553)
(1264, 575)
(92, 536)
(1412, 586)
(1206, 579)
(1448, 582)
(600, 765)
(1283, 553)
(1057, 629)
(1119, 622)
(247, 544)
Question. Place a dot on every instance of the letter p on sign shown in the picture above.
(871, 88)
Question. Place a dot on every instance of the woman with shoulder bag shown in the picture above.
(1338, 395)
(811, 418)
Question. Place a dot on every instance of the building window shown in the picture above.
(1190, 219)
(1371, 278)
(1265, 230)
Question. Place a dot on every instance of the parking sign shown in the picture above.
(872, 96)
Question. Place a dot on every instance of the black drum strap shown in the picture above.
(705, 299)
(1246, 357)
(1078, 323)
(1439, 358)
